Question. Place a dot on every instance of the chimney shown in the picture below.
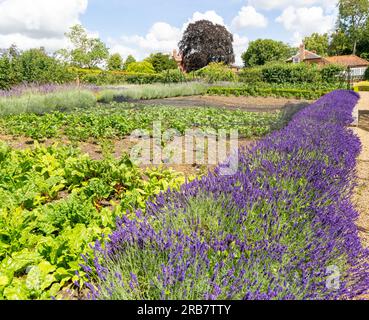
(302, 52)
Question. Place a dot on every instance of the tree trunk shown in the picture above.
(355, 45)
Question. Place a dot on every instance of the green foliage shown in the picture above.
(128, 61)
(141, 67)
(54, 203)
(251, 75)
(262, 51)
(332, 73)
(120, 120)
(353, 19)
(290, 73)
(64, 100)
(366, 75)
(216, 72)
(173, 76)
(304, 91)
(318, 43)
(31, 66)
(87, 52)
(115, 62)
(161, 62)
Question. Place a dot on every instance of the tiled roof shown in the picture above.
(308, 56)
(348, 61)
(311, 55)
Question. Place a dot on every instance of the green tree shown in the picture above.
(339, 44)
(35, 65)
(141, 67)
(115, 62)
(87, 52)
(128, 61)
(161, 62)
(352, 19)
(262, 51)
(10, 73)
(318, 43)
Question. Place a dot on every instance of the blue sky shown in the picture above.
(140, 27)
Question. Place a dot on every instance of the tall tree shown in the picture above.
(87, 52)
(339, 44)
(130, 59)
(161, 62)
(352, 19)
(262, 51)
(318, 43)
(204, 42)
(115, 62)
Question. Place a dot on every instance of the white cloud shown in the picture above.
(162, 37)
(240, 45)
(38, 22)
(208, 15)
(304, 21)
(328, 5)
(249, 17)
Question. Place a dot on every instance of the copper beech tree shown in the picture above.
(204, 42)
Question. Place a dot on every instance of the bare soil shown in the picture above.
(255, 104)
(97, 150)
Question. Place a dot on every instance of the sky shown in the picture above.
(140, 27)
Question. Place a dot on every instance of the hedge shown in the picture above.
(284, 73)
(267, 92)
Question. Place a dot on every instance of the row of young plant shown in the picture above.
(282, 227)
(120, 120)
(54, 203)
(253, 91)
(310, 91)
(48, 98)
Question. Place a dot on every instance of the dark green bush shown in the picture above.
(332, 73)
(265, 91)
(366, 74)
(31, 66)
(251, 75)
(290, 73)
(173, 76)
(216, 72)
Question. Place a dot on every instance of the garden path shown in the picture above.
(361, 197)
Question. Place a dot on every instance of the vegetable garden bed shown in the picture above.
(282, 227)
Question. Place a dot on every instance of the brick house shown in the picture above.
(356, 64)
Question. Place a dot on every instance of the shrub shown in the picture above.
(173, 76)
(141, 67)
(268, 91)
(272, 230)
(251, 75)
(290, 73)
(332, 73)
(216, 72)
(366, 74)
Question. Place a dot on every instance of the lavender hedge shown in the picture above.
(282, 227)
